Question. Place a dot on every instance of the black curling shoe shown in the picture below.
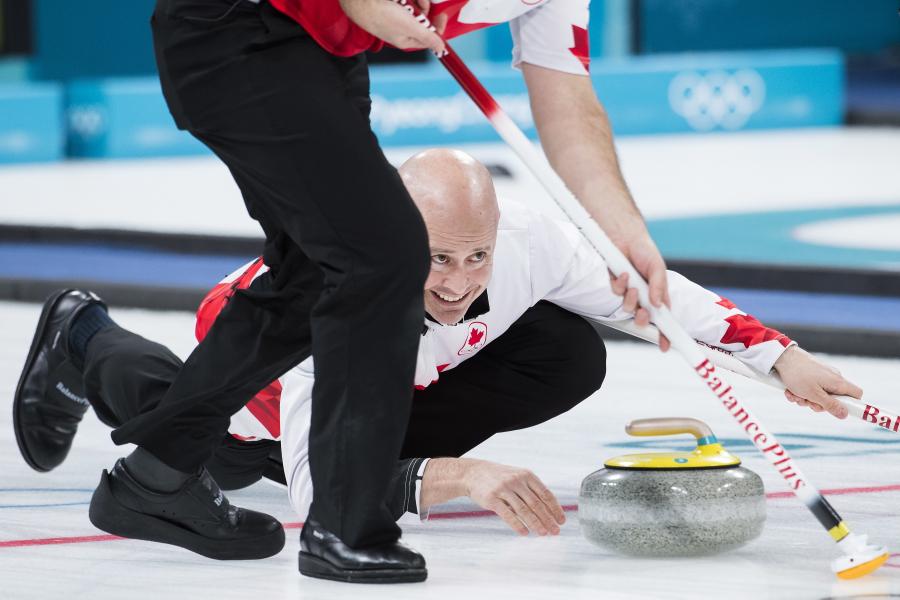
(197, 517)
(325, 556)
(49, 401)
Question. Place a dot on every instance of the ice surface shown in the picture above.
(471, 556)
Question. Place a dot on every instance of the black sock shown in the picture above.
(91, 320)
(154, 473)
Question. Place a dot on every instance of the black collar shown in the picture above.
(479, 307)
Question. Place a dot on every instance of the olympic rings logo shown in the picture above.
(717, 98)
(86, 121)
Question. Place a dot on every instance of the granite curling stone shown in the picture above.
(672, 504)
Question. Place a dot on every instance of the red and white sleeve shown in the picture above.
(567, 271)
(553, 35)
(717, 322)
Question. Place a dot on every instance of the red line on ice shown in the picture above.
(447, 515)
(59, 540)
(842, 491)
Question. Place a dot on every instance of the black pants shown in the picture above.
(545, 364)
(125, 375)
(347, 249)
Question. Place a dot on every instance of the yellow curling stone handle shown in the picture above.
(709, 453)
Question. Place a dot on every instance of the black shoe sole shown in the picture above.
(49, 305)
(313, 566)
(111, 516)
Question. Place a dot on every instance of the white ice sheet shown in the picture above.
(473, 556)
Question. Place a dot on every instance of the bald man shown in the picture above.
(505, 345)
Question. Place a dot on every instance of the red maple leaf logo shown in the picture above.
(746, 330)
(581, 49)
(475, 337)
(725, 302)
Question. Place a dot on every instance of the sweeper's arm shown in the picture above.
(577, 137)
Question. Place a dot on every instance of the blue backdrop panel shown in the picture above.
(92, 38)
(422, 105)
(123, 118)
(661, 94)
(852, 25)
(31, 122)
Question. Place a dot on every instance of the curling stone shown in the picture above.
(673, 503)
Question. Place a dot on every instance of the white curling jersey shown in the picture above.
(535, 258)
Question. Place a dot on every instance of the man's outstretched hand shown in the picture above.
(814, 384)
(516, 495)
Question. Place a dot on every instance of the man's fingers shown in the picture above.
(641, 317)
(814, 406)
(417, 38)
(835, 407)
(842, 387)
(548, 522)
(507, 514)
(547, 497)
(619, 284)
(664, 343)
(802, 402)
(645, 257)
(818, 394)
(630, 302)
(831, 404)
(524, 512)
(630, 296)
(658, 283)
(431, 40)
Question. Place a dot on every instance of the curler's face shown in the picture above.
(461, 268)
(456, 197)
